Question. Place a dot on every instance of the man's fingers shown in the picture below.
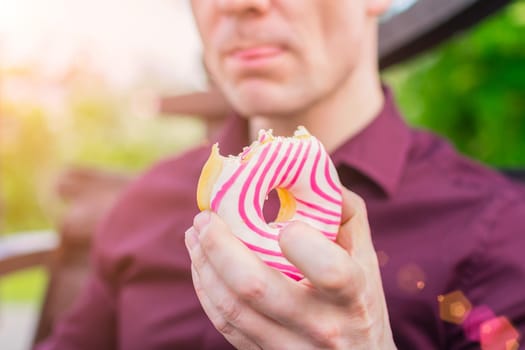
(265, 289)
(234, 318)
(353, 206)
(232, 334)
(325, 264)
(216, 317)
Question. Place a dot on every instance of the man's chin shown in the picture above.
(264, 107)
(263, 101)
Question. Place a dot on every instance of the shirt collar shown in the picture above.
(378, 152)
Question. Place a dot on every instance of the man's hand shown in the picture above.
(339, 305)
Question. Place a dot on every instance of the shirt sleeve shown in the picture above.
(495, 285)
(90, 324)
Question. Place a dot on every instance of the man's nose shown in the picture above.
(244, 6)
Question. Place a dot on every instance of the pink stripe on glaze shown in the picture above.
(262, 137)
(318, 208)
(317, 218)
(326, 233)
(315, 186)
(226, 187)
(245, 152)
(301, 166)
(284, 267)
(293, 276)
(280, 167)
(291, 165)
(242, 200)
(264, 251)
(328, 176)
(258, 187)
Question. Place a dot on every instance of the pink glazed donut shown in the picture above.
(298, 168)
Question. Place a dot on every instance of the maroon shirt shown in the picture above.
(440, 222)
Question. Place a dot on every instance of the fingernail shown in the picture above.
(292, 226)
(284, 232)
(190, 238)
(201, 221)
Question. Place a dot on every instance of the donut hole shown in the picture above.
(279, 206)
(271, 207)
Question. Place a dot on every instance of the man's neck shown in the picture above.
(334, 120)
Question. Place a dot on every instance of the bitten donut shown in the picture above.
(298, 168)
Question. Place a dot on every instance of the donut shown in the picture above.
(301, 172)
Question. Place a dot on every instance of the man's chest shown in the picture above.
(424, 253)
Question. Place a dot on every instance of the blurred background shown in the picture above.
(79, 81)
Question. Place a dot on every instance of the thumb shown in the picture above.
(354, 234)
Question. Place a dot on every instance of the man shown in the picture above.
(447, 231)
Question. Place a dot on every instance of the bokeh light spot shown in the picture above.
(472, 324)
(499, 333)
(458, 310)
(512, 345)
(454, 307)
(410, 278)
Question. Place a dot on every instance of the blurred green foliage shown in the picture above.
(23, 286)
(26, 150)
(472, 89)
(96, 130)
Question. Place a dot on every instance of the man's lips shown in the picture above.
(256, 57)
(257, 52)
